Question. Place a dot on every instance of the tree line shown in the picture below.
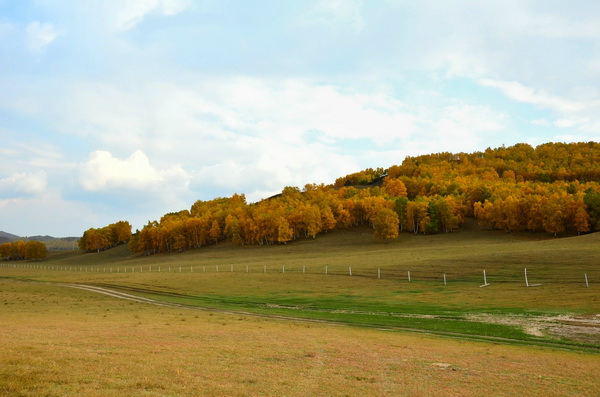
(20, 250)
(299, 214)
(550, 188)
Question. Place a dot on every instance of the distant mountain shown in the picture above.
(53, 243)
(7, 237)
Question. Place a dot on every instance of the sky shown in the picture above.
(129, 109)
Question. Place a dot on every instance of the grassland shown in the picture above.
(62, 341)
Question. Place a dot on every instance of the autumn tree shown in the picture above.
(386, 224)
(215, 231)
(395, 187)
(35, 250)
(5, 250)
(284, 232)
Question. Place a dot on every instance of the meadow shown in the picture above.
(294, 330)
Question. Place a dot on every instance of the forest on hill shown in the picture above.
(550, 188)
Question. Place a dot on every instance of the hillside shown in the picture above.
(7, 237)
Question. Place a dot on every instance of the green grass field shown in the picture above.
(455, 324)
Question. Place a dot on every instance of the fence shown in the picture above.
(499, 275)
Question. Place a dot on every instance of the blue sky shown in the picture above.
(126, 110)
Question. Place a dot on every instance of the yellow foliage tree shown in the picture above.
(386, 224)
(394, 187)
(284, 232)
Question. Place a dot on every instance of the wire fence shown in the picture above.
(535, 276)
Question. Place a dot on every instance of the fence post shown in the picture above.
(350, 270)
(587, 285)
(378, 273)
(325, 269)
(526, 281)
(409, 276)
(485, 283)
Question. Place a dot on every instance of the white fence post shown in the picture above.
(378, 273)
(485, 283)
(587, 285)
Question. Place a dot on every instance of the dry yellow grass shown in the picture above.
(60, 341)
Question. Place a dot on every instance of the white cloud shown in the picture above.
(459, 127)
(40, 35)
(521, 93)
(23, 184)
(49, 214)
(545, 24)
(337, 13)
(103, 172)
(274, 165)
(565, 123)
(126, 14)
(167, 117)
(576, 114)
